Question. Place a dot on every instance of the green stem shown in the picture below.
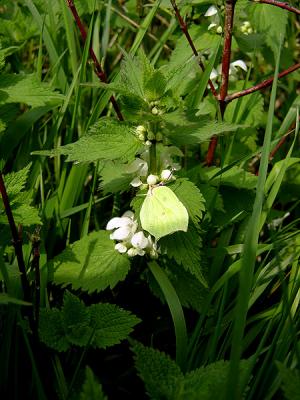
(153, 160)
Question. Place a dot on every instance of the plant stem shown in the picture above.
(97, 67)
(184, 29)
(16, 240)
(229, 14)
(280, 4)
(262, 85)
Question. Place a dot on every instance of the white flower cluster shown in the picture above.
(233, 71)
(130, 240)
(140, 167)
(212, 13)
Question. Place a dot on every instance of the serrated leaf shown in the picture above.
(198, 132)
(206, 383)
(184, 248)
(90, 264)
(15, 181)
(27, 89)
(235, 177)
(250, 109)
(290, 381)
(91, 388)
(108, 139)
(270, 21)
(111, 324)
(159, 372)
(191, 197)
(113, 178)
(51, 329)
(76, 320)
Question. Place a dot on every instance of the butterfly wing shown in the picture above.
(162, 213)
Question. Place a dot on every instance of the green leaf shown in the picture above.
(206, 383)
(290, 381)
(111, 324)
(106, 140)
(113, 178)
(91, 388)
(190, 195)
(198, 132)
(184, 248)
(270, 21)
(159, 372)
(99, 325)
(162, 213)
(51, 329)
(90, 264)
(27, 89)
(250, 109)
(234, 177)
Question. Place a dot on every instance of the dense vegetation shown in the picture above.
(149, 208)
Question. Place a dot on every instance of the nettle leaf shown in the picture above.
(290, 381)
(250, 109)
(113, 177)
(99, 325)
(90, 264)
(111, 324)
(206, 383)
(91, 388)
(191, 293)
(235, 177)
(159, 372)
(185, 249)
(190, 195)
(27, 89)
(108, 139)
(270, 21)
(51, 329)
(198, 132)
(20, 200)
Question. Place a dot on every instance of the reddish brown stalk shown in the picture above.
(97, 67)
(16, 240)
(184, 29)
(262, 85)
(280, 4)
(229, 14)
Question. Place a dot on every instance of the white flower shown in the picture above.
(237, 63)
(214, 74)
(140, 167)
(139, 240)
(233, 70)
(125, 227)
(211, 26)
(121, 248)
(212, 10)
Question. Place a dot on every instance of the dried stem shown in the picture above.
(184, 29)
(97, 67)
(280, 4)
(16, 240)
(262, 85)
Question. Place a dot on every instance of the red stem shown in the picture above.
(16, 239)
(262, 85)
(229, 14)
(280, 4)
(184, 29)
(97, 67)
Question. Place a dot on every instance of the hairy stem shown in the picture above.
(97, 67)
(264, 84)
(16, 239)
(280, 4)
(184, 29)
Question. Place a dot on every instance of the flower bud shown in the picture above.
(154, 110)
(166, 174)
(219, 29)
(152, 179)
